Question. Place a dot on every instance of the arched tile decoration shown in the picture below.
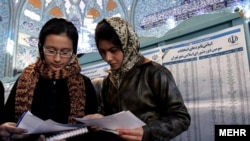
(36, 3)
(150, 19)
(93, 13)
(56, 12)
(111, 5)
(83, 13)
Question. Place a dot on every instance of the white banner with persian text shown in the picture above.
(212, 73)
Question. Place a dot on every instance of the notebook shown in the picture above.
(68, 134)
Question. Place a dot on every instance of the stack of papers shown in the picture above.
(121, 120)
(35, 125)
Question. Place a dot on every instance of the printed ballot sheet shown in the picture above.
(35, 125)
(124, 120)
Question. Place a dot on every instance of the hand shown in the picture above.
(131, 134)
(90, 116)
(9, 131)
(42, 138)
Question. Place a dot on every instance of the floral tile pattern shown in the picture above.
(4, 22)
(151, 18)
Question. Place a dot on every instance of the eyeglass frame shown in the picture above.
(55, 52)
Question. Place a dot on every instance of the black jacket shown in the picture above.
(149, 91)
(50, 101)
(1, 96)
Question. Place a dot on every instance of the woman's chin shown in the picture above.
(55, 68)
(114, 68)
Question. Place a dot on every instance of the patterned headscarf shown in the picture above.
(29, 78)
(130, 46)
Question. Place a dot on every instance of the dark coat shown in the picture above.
(149, 91)
(1, 96)
(50, 101)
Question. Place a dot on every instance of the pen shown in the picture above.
(18, 122)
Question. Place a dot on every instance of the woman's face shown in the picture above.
(111, 54)
(57, 51)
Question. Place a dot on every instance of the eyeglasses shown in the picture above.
(52, 52)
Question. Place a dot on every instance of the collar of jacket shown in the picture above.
(143, 60)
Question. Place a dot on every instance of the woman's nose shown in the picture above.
(108, 57)
(57, 57)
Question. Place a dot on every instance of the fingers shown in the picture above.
(95, 128)
(6, 130)
(9, 131)
(42, 138)
(18, 136)
(93, 116)
(134, 132)
(130, 138)
(131, 134)
(11, 137)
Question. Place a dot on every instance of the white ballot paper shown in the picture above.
(121, 120)
(35, 125)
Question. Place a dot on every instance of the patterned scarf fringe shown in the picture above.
(28, 79)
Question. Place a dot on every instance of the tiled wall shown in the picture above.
(151, 18)
(4, 32)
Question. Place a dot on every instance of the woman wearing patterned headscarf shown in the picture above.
(138, 84)
(52, 87)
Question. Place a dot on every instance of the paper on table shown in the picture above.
(35, 125)
(124, 119)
